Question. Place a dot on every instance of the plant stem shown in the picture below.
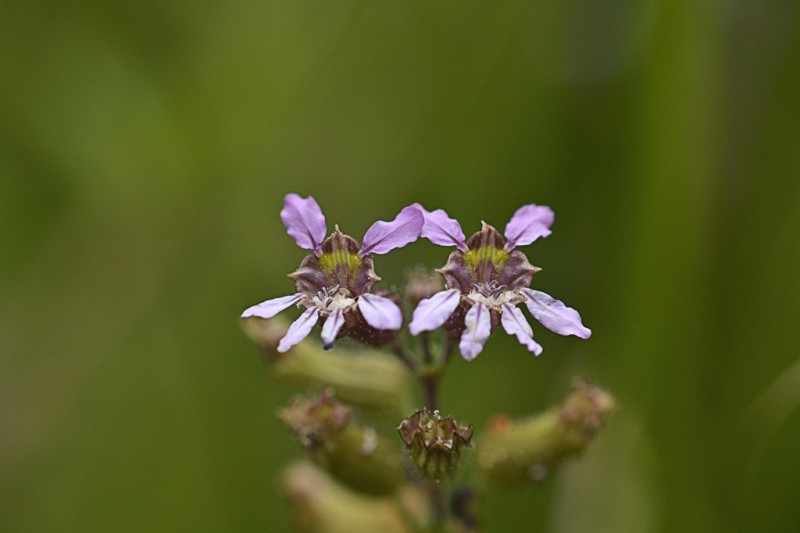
(425, 341)
(402, 354)
(447, 351)
(430, 389)
(436, 494)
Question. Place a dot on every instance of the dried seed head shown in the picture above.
(435, 443)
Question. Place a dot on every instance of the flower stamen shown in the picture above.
(331, 299)
(492, 294)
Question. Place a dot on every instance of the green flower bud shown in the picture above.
(357, 456)
(316, 419)
(434, 443)
(371, 380)
(322, 505)
(528, 450)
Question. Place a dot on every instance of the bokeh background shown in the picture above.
(145, 148)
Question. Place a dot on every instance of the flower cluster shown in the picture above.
(353, 477)
(486, 278)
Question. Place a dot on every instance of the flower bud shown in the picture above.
(528, 450)
(266, 333)
(325, 506)
(422, 283)
(355, 455)
(316, 419)
(435, 443)
(367, 379)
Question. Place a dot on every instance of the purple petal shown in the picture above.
(380, 312)
(299, 329)
(515, 324)
(442, 230)
(528, 224)
(304, 221)
(432, 312)
(331, 328)
(554, 315)
(479, 327)
(383, 237)
(270, 308)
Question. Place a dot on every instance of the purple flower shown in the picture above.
(334, 281)
(487, 278)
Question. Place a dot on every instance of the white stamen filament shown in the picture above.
(492, 295)
(332, 299)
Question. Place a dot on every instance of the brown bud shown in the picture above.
(435, 443)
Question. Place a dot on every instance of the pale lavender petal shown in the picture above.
(383, 237)
(304, 221)
(554, 315)
(380, 312)
(528, 224)
(331, 328)
(442, 230)
(299, 329)
(515, 324)
(432, 312)
(479, 327)
(270, 308)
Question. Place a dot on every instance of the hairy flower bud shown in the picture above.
(366, 379)
(528, 450)
(353, 454)
(316, 419)
(435, 443)
(266, 333)
(323, 505)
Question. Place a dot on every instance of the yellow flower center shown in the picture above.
(330, 262)
(495, 256)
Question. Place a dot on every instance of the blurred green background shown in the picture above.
(145, 148)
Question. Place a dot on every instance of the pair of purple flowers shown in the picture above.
(486, 276)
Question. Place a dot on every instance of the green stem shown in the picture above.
(425, 341)
(402, 354)
(447, 351)
(436, 493)
(430, 389)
